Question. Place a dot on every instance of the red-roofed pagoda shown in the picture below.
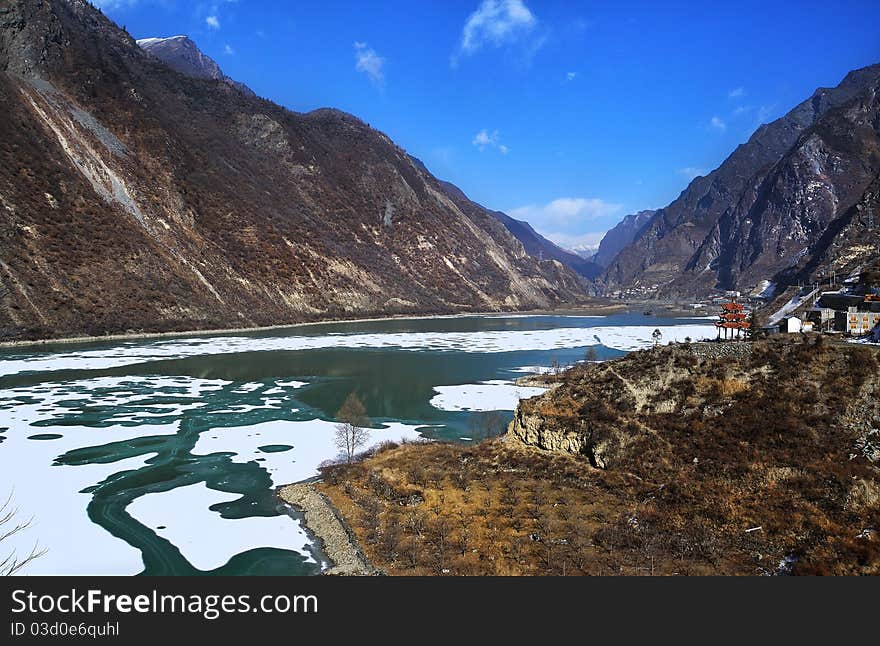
(732, 317)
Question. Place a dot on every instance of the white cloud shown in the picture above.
(228, 50)
(570, 76)
(495, 23)
(576, 242)
(691, 172)
(366, 60)
(718, 124)
(485, 139)
(565, 211)
(212, 22)
(736, 92)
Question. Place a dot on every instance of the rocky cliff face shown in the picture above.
(620, 236)
(136, 198)
(774, 208)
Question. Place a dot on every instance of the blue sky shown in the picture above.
(566, 114)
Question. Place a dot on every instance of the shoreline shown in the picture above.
(587, 310)
(322, 520)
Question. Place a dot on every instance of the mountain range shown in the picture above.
(790, 205)
(134, 197)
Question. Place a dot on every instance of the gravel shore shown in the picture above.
(322, 519)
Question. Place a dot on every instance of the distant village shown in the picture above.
(852, 310)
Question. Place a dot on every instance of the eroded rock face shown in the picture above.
(533, 429)
(182, 203)
(788, 200)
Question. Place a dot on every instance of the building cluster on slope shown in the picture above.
(853, 310)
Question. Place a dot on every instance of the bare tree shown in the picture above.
(350, 432)
(8, 528)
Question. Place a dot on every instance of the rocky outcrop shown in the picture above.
(134, 198)
(533, 429)
(612, 412)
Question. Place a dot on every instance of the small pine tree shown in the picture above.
(754, 328)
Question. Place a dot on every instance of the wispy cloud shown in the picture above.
(486, 139)
(213, 22)
(736, 93)
(718, 123)
(691, 172)
(227, 49)
(570, 76)
(497, 23)
(366, 60)
(566, 211)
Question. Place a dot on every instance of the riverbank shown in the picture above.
(696, 459)
(326, 524)
(599, 309)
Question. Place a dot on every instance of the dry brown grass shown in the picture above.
(755, 443)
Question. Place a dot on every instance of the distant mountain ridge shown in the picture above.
(775, 209)
(533, 242)
(620, 236)
(180, 53)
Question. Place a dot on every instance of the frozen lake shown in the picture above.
(161, 456)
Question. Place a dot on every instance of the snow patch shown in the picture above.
(482, 397)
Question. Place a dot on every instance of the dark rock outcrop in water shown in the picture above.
(135, 198)
(788, 205)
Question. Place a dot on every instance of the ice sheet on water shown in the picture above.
(484, 396)
(204, 537)
(626, 338)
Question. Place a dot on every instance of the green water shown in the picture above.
(182, 421)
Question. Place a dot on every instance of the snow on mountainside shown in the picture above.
(181, 54)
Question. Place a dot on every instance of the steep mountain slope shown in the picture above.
(771, 204)
(534, 243)
(620, 236)
(135, 198)
(181, 54)
(538, 245)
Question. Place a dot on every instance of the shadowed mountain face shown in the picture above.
(133, 197)
(620, 236)
(181, 54)
(788, 205)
